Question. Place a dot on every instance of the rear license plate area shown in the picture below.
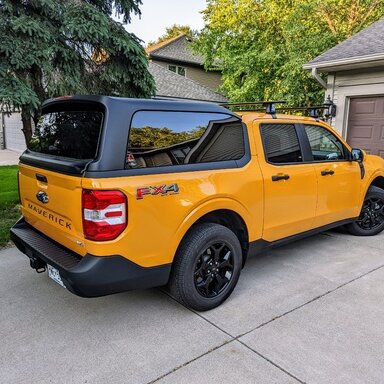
(54, 274)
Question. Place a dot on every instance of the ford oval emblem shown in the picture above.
(42, 196)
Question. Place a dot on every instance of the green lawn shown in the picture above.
(9, 198)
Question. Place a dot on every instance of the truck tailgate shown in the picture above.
(51, 203)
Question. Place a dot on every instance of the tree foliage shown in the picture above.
(173, 31)
(263, 44)
(57, 47)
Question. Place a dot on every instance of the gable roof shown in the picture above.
(175, 49)
(170, 84)
(363, 47)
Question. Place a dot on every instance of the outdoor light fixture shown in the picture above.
(330, 108)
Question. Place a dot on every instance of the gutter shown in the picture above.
(163, 59)
(318, 78)
(341, 62)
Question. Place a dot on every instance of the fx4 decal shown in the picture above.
(162, 190)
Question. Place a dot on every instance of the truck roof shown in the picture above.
(158, 104)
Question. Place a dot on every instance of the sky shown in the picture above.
(156, 15)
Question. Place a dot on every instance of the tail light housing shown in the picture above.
(104, 214)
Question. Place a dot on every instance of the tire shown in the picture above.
(206, 267)
(371, 219)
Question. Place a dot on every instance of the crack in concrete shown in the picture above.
(271, 362)
(313, 300)
(233, 338)
(190, 361)
(237, 338)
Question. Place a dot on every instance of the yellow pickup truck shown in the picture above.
(120, 194)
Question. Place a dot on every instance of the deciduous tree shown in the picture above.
(263, 44)
(174, 31)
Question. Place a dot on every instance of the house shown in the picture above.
(176, 55)
(173, 86)
(355, 82)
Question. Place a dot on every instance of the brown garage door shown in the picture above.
(366, 124)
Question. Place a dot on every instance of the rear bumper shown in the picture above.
(88, 276)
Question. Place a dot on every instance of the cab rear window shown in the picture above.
(72, 134)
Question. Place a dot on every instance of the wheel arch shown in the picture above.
(228, 218)
(226, 212)
(376, 179)
(378, 182)
(232, 221)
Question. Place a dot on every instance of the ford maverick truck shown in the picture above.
(119, 194)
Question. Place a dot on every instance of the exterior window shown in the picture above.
(172, 68)
(71, 134)
(325, 146)
(179, 70)
(161, 138)
(281, 144)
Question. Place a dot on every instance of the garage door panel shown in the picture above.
(366, 124)
(363, 132)
(365, 107)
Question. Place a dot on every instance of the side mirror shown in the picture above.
(357, 155)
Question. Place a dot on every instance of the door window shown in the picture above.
(281, 144)
(325, 146)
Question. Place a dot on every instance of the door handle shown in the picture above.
(327, 172)
(41, 178)
(280, 177)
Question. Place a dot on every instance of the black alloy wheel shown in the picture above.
(372, 214)
(207, 266)
(371, 219)
(214, 269)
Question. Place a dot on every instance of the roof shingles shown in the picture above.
(170, 84)
(367, 42)
(177, 49)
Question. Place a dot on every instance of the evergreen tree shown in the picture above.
(57, 47)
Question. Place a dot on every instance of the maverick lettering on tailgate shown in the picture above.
(161, 190)
(50, 216)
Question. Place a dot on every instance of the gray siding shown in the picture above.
(344, 85)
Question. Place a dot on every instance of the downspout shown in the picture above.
(318, 78)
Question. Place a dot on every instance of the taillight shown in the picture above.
(104, 214)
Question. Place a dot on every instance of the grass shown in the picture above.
(9, 198)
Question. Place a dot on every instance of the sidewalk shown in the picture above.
(8, 157)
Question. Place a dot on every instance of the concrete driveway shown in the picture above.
(309, 312)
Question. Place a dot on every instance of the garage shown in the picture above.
(365, 127)
(352, 75)
(13, 135)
